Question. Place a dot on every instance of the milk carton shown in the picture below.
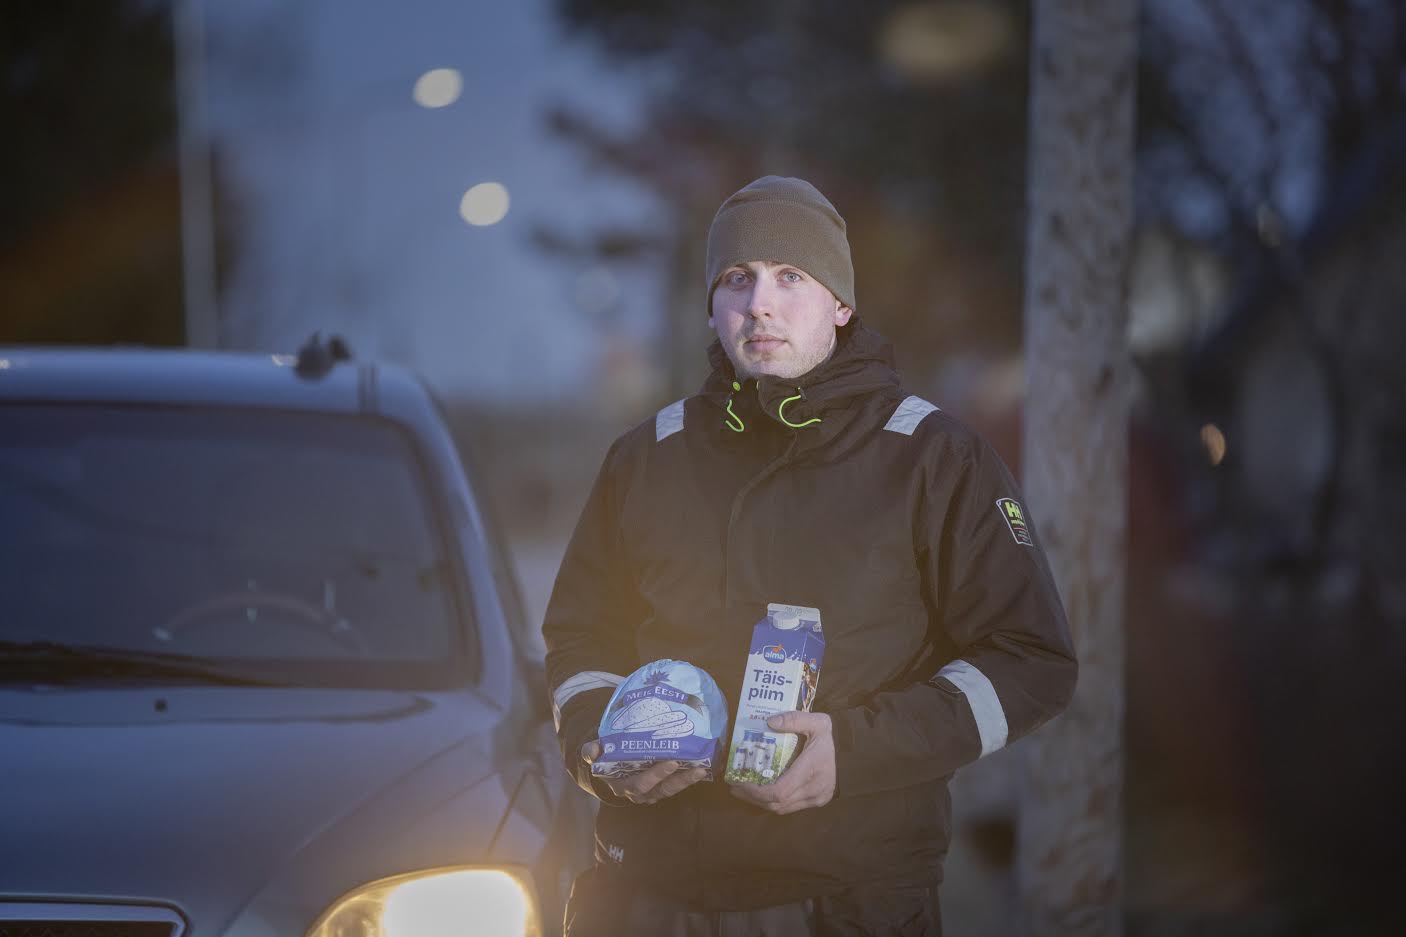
(783, 667)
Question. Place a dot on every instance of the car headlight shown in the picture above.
(457, 902)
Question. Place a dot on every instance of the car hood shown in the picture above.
(202, 797)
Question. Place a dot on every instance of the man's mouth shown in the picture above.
(764, 342)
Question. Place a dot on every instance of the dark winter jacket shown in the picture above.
(945, 638)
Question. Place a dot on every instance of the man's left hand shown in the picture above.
(810, 780)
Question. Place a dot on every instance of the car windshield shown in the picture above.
(301, 548)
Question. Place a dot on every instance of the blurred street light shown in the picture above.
(484, 204)
(439, 87)
(931, 42)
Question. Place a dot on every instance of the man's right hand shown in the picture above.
(664, 779)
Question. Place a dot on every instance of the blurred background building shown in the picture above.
(513, 199)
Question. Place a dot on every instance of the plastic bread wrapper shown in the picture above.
(667, 710)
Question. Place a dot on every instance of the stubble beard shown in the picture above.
(787, 370)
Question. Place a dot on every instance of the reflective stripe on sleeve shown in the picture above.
(668, 421)
(580, 683)
(985, 704)
(908, 415)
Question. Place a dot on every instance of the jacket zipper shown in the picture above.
(746, 490)
(699, 847)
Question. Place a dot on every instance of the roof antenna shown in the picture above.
(317, 357)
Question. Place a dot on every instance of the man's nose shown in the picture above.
(760, 303)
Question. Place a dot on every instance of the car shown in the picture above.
(263, 668)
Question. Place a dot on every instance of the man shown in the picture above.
(803, 474)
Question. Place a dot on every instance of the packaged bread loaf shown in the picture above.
(667, 710)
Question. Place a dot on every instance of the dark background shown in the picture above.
(1266, 618)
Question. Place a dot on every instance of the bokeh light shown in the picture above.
(1214, 441)
(438, 87)
(928, 42)
(484, 204)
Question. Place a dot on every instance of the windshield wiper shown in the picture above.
(51, 660)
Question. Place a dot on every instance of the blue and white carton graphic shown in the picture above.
(783, 669)
(667, 710)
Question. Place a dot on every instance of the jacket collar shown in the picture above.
(862, 365)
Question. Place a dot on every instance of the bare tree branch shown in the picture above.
(1251, 76)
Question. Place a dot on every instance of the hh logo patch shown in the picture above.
(1015, 519)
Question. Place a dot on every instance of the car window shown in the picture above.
(303, 545)
(525, 634)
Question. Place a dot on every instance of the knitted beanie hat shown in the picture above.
(784, 220)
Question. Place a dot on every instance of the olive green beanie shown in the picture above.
(783, 220)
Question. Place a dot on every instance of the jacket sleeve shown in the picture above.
(995, 604)
(589, 627)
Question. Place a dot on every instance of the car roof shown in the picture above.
(181, 376)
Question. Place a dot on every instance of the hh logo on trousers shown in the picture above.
(1014, 516)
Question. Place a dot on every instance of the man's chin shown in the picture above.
(773, 369)
(769, 366)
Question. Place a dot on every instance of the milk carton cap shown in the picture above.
(786, 621)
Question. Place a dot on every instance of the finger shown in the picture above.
(783, 807)
(798, 791)
(682, 779)
(783, 790)
(590, 752)
(801, 782)
(748, 797)
(628, 790)
(676, 782)
(799, 723)
(671, 784)
(815, 793)
(800, 774)
(634, 786)
(649, 778)
(802, 769)
(757, 794)
(794, 807)
(796, 801)
(787, 721)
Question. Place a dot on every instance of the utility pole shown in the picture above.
(197, 195)
(1075, 449)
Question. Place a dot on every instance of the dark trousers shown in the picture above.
(601, 909)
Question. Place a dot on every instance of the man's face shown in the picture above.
(775, 319)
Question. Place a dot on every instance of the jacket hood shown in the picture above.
(861, 365)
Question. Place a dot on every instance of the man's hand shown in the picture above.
(810, 780)
(664, 779)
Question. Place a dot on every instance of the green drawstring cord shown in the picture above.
(734, 422)
(740, 426)
(781, 411)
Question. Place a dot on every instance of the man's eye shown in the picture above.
(736, 278)
(791, 276)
